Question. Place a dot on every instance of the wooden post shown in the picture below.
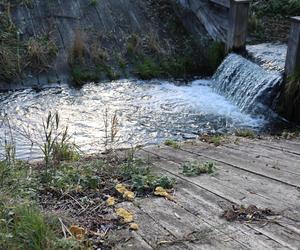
(292, 65)
(238, 24)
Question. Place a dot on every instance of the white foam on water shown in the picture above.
(148, 112)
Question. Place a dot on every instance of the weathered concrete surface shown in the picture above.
(104, 25)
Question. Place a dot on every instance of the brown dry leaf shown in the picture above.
(134, 226)
(159, 191)
(121, 188)
(78, 232)
(111, 201)
(128, 195)
(125, 215)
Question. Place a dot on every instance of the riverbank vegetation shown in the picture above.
(68, 200)
(289, 104)
(164, 50)
(269, 19)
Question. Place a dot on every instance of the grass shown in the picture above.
(247, 133)
(40, 51)
(20, 55)
(172, 143)
(25, 227)
(30, 192)
(192, 169)
(217, 140)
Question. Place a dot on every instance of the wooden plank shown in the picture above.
(187, 227)
(288, 237)
(249, 184)
(285, 146)
(243, 195)
(240, 161)
(209, 207)
(133, 241)
(150, 231)
(277, 159)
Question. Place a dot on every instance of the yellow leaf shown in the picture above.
(134, 226)
(111, 201)
(125, 215)
(128, 195)
(159, 191)
(121, 188)
(78, 188)
(78, 232)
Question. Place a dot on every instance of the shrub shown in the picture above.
(276, 7)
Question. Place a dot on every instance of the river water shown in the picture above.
(148, 112)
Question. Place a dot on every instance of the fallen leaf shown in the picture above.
(125, 215)
(78, 188)
(128, 195)
(78, 232)
(159, 191)
(111, 201)
(134, 226)
(121, 188)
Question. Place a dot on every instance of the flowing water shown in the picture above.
(148, 112)
(238, 96)
(247, 85)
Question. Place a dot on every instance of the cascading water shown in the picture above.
(148, 112)
(247, 84)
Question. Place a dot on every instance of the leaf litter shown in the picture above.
(250, 214)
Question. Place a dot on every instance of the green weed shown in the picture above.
(217, 140)
(24, 227)
(172, 143)
(142, 179)
(195, 168)
(247, 133)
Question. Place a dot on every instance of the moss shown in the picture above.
(216, 54)
(289, 104)
(82, 75)
(147, 68)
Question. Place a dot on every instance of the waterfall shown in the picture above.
(247, 84)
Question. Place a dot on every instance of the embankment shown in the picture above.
(46, 42)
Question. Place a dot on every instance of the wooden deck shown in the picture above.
(265, 173)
